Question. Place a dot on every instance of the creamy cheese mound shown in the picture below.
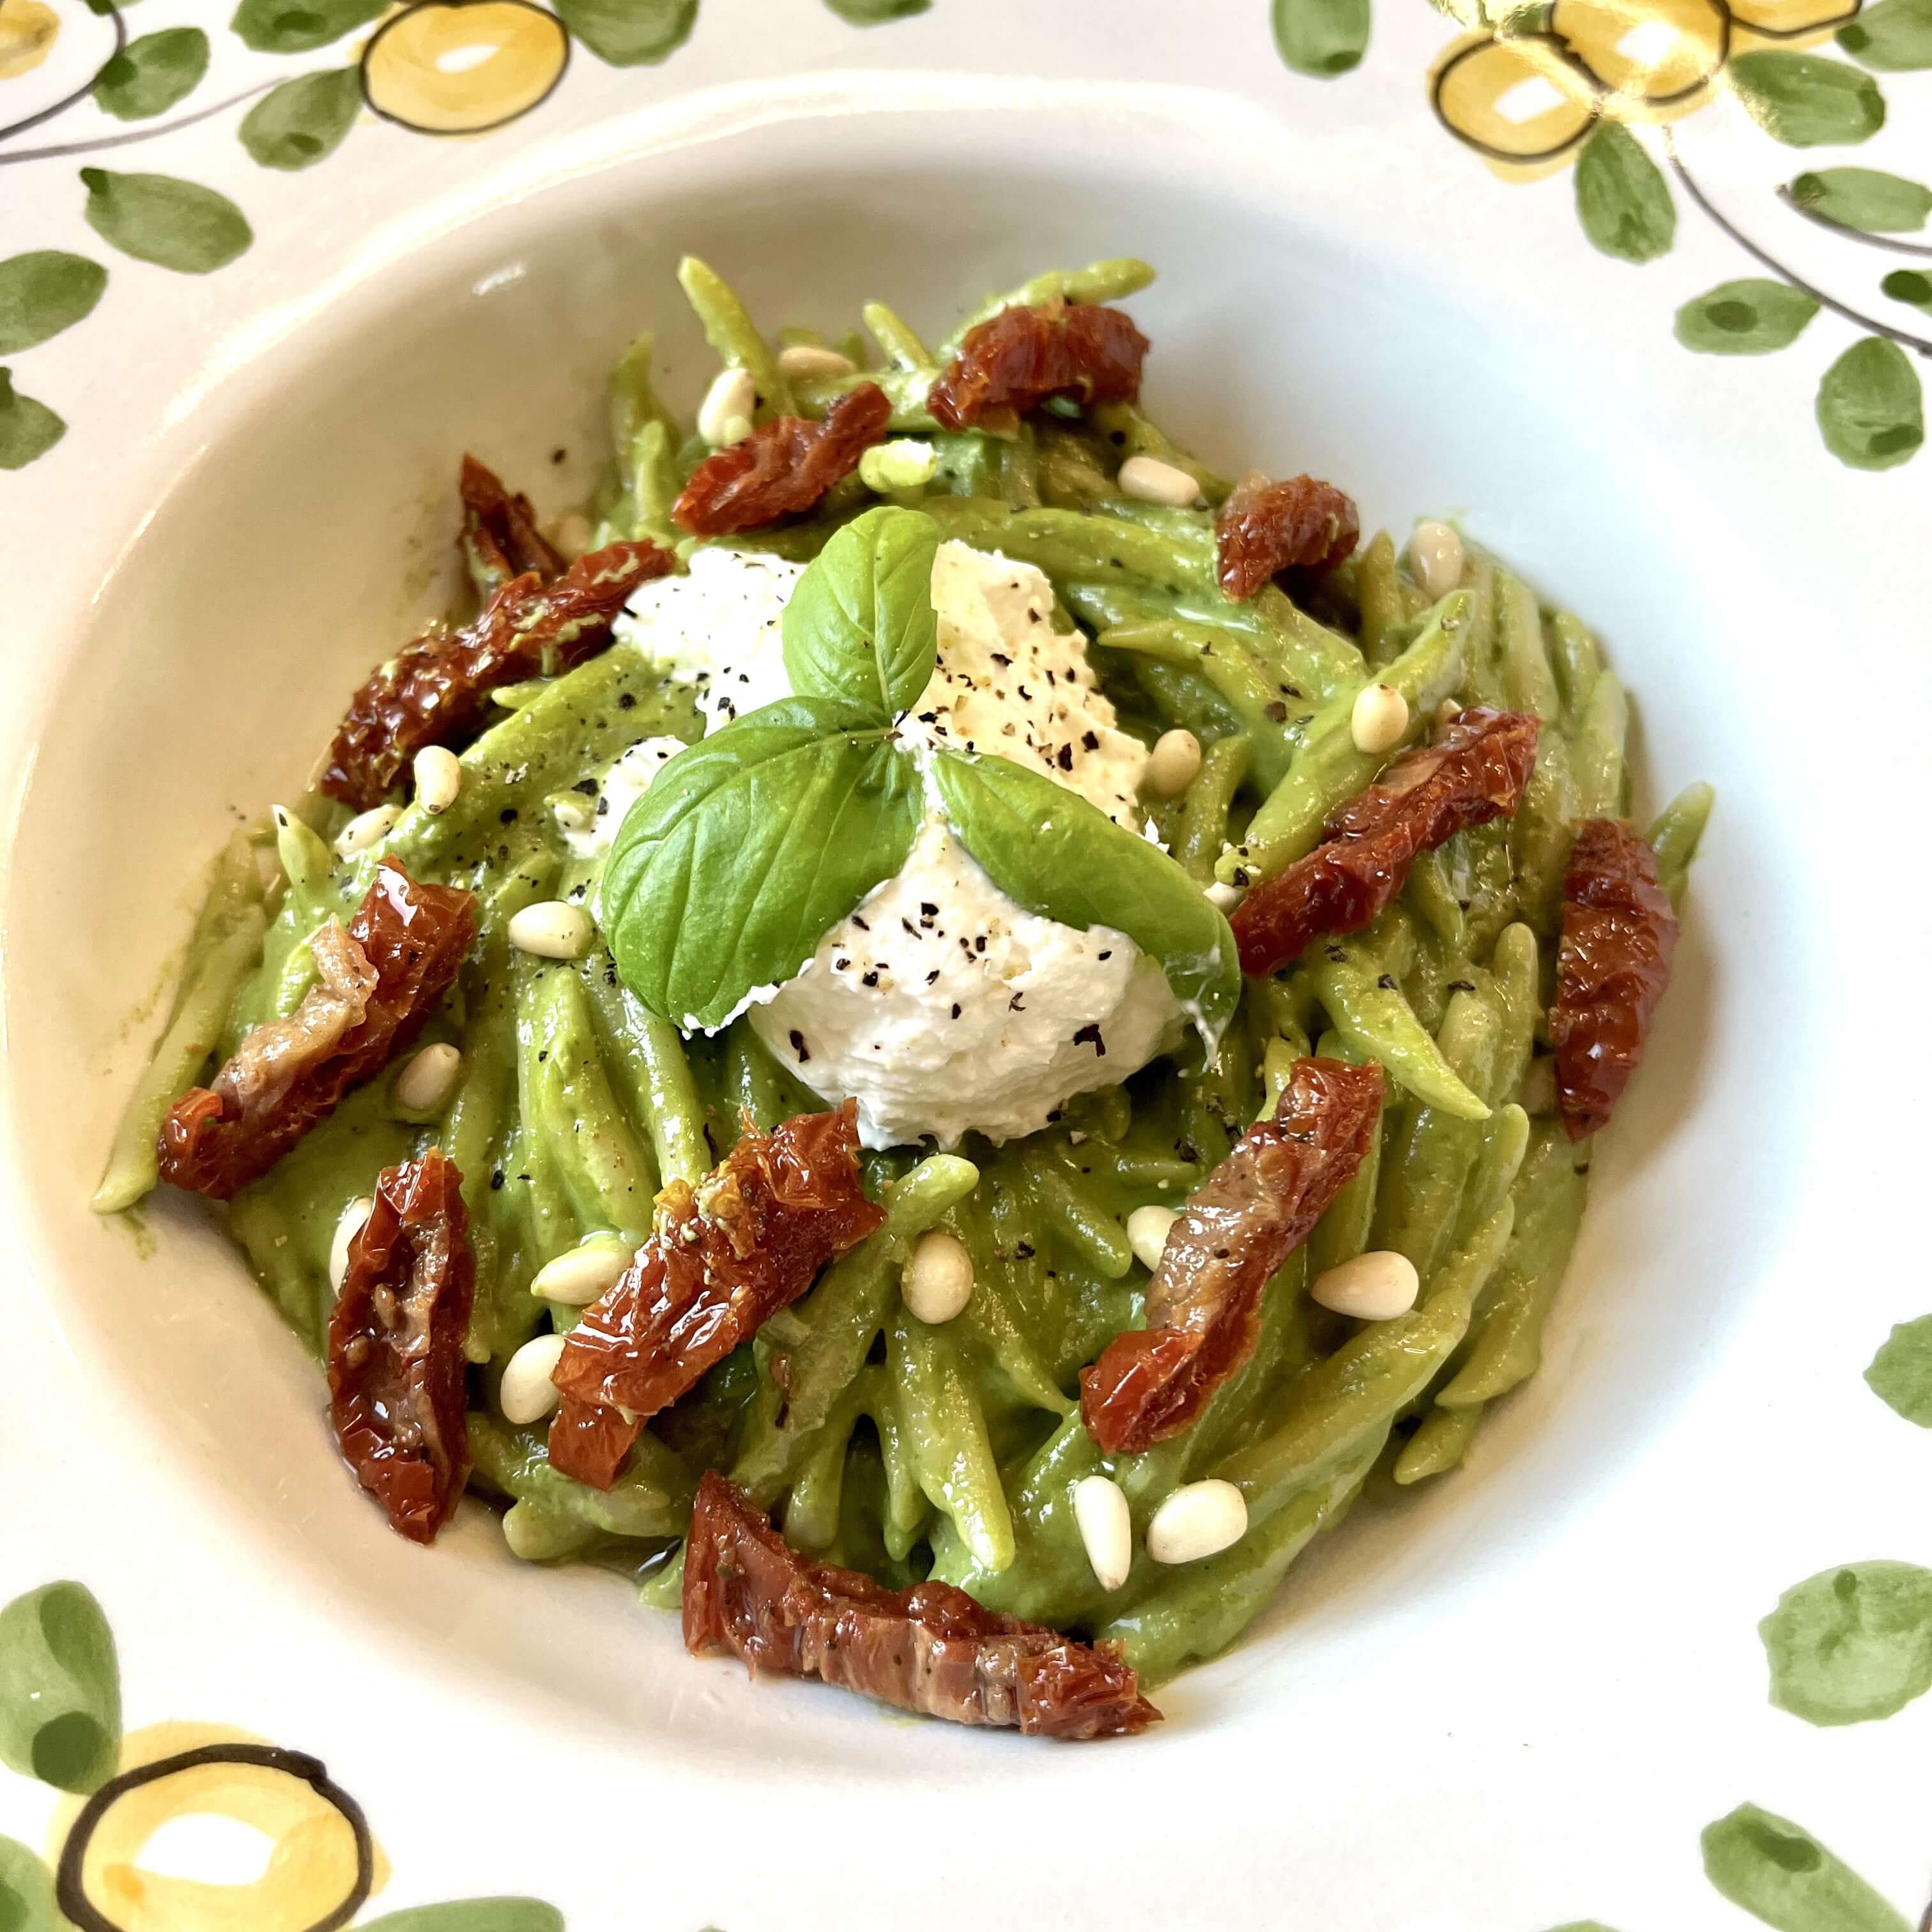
(940, 1005)
(623, 785)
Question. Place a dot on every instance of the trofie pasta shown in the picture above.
(851, 1061)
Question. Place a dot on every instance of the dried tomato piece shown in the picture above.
(396, 1370)
(591, 1443)
(1475, 771)
(378, 983)
(436, 690)
(1204, 1303)
(1265, 528)
(1022, 355)
(747, 1241)
(1619, 935)
(930, 1648)
(783, 467)
(500, 539)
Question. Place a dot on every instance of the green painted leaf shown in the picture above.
(876, 13)
(1870, 411)
(1894, 36)
(301, 26)
(1910, 285)
(27, 1902)
(28, 429)
(630, 33)
(43, 292)
(860, 628)
(471, 1914)
(1321, 37)
(1901, 1374)
(1852, 1644)
(174, 224)
(1581, 1925)
(149, 75)
(1062, 858)
(1750, 317)
(1863, 198)
(303, 120)
(748, 848)
(1622, 200)
(1781, 1874)
(60, 1689)
(1807, 101)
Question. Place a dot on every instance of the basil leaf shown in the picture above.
(748, 848)
(860, 627)
(1064, 859)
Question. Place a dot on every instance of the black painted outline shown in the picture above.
(145, 133)
(86, 87)
(1505, 155)
(71, 1894)
(1573, 58)
(394, 20)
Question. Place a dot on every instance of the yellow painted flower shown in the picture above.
(1525, 88)
(458, 66)
(320, 1855)
(27, 30)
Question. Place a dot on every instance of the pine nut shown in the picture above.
(1199, 1520)
(572, 535)
(804, 360)
(425, 1084)
(732, 393)
(1147, 1231)
(1151, 481)
(1447, 712)
(438, 775)
(367, 829)
(903, 463)
(526, 1393)
(1539, 1086)
(734, 429)
(937, 1283)
(1174, 764)
(584, 1273)
(346, 1228)
(1435, 555)
(1377, 1286)
(1223, 897)
(1106, 1528)
(552, 929)
(1379, 719)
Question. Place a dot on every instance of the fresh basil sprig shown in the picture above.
(1064, 859)
(860, 626)
(749, 848)
(752, 844)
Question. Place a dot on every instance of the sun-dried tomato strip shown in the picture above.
(1475, 771)
(500, 539)
(1022, 356)
(396, 1370)
(930, 1648)
(379, 982)
(1265, 528)
(783, 467)
(747, 1241)
(1619, 935)
(589, 1442)
(436, 690)
(1204, 1303)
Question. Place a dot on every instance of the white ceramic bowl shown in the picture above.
(288, 521)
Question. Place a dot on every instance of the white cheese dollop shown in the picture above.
(623, 785)
(940, 1005)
